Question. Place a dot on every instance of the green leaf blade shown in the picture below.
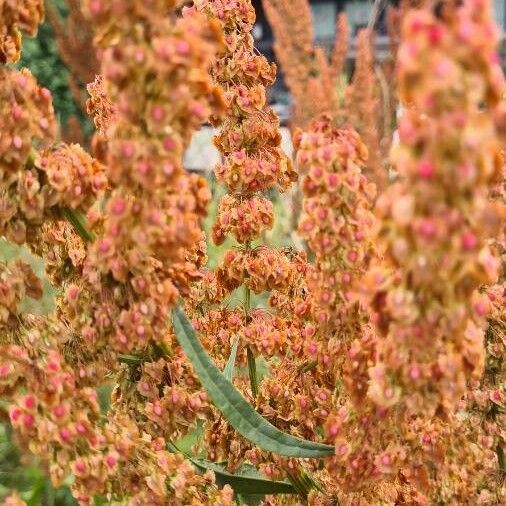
(247, 481)
(238, 412)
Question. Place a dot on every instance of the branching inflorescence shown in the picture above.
(387, 344)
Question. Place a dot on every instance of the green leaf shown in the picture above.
(228, 370)
(238, 412)
(247, 480)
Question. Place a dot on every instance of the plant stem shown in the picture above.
(252, 368)
(500, 458)
(130, 359)
(78, 223)
(308, 366)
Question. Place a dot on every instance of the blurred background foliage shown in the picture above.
(41, 56)
(18, 471)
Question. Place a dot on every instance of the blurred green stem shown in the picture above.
(252, 368)
(78, 223)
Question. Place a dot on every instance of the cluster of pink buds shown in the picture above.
(245, 220)
(249, 139)
(437, 218)
(36, 186)
(337, 220)
(17, 280)
(149, 238)
(52, 417)
(260, 269)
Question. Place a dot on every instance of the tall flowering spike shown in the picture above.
(363, 107)
(340, 51)
(304, 70)
(437, 218)
(74, 39)
(152, 219)
(17, 16)
(253, 162)
(339, 226)
(337, 220)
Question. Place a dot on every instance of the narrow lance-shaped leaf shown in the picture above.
(246, 480)
(238, 412)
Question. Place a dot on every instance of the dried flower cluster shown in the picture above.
(316, 83)
(311, 78)
(385, 340)
(17, 16)
(118, 291)
(437, 218)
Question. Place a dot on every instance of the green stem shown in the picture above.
(308, 366)
(78, 223)
(500, 458)
(252, 368)
(166, 348)
(130, 359)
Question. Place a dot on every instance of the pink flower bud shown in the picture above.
(352, 256)
(79, 467)
(435, 34)
(17, 142)
(65, 434)
(468, 241)
(157, 113)
(182, 47)
(425, 169)
(143, 167)
(14, 414)
(342, 450)
(81, 428)
(29, 402)
(59, 411)
(333, 429)
(386, 459)
(481, 308)
(427, 228)
(127, 149)
(104, 245)
(95, 7)
(414, 372)
(110, 460)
